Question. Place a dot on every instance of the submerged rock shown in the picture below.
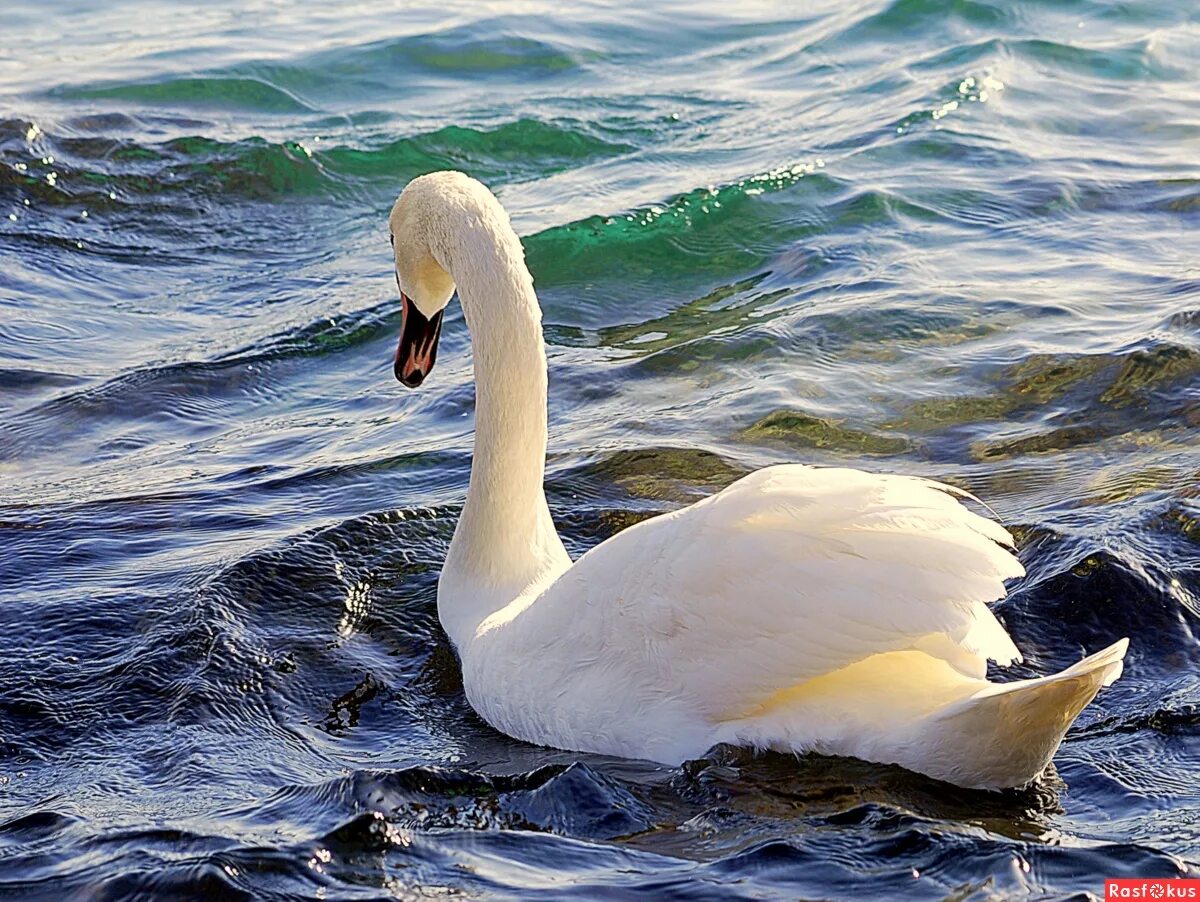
(800, 430)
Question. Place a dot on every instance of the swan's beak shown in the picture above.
(418, 344)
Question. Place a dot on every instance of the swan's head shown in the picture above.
(416, 226)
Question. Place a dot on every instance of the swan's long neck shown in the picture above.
(505, 540)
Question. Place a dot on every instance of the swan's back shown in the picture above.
(806, 570)
(803, 608)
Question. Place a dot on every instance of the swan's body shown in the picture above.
(801, 609)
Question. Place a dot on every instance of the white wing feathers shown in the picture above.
(788, 574)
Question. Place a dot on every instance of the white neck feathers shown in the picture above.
(505, 540)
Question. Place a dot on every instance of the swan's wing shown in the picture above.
(788, 574)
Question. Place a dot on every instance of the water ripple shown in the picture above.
(951, 238)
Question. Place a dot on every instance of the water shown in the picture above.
(956, 238)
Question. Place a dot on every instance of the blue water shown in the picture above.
(958, 238)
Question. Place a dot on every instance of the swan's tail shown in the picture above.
(913, 709)
(1005, 734)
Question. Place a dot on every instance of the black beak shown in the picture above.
(418, 344)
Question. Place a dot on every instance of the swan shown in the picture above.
(801, 609)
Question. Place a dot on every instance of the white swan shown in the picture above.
(800, 609)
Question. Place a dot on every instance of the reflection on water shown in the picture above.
(952, 239)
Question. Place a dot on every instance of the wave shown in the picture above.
(493, 48)
(217, 93)
(101, 173)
